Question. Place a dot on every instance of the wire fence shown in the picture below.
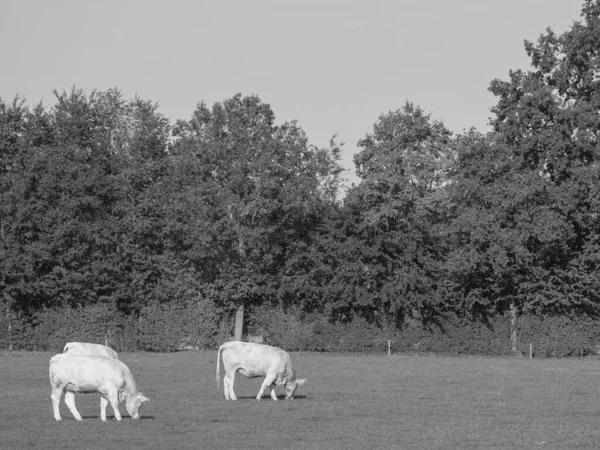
(385, 344)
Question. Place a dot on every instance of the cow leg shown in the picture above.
(228, 387)
(56, 394)
(113, 399)
(103, 405)
(70, 402)
(269, 379)
(273, 393)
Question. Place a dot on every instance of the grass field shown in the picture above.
(349, 402)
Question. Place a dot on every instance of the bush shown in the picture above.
(452, 334)
(159, 327)
(559, 335)
(178, 325)
(281, 328)
(15, 332)
(51, 328)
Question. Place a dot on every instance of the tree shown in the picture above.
(403, 166)
(547, 121)
(259, 183)
(523, 234)
(103, 121)
(12, 129)
(71, 192)
(58, 211)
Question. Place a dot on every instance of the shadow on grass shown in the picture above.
(268, 397)
(112, 418)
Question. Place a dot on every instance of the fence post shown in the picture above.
(530, 350)
(389, 347)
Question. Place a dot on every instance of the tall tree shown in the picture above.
(403, 166)
(13, 125)
(547, 120)
(70, 207)
(60, 227)
(261, 181)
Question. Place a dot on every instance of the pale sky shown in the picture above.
(333, 65)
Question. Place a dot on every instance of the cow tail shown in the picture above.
(218, 377)
(66, 349)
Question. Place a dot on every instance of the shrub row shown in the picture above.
(160, 327)
(550, 336)
(175, 326)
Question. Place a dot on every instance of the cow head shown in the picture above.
(291, 387)
(133, 404)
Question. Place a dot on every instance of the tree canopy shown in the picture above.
(104, 201)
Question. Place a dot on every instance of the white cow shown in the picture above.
(86, 374)
(85, 348)
(257, 360)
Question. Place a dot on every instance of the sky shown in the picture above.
(334, 66)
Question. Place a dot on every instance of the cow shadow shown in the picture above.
(112, 418)
(268, 397)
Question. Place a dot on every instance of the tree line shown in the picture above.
(103, 201)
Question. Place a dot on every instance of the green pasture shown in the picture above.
(349, 402)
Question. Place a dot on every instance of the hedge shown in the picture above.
(158, 327)
(179, 325)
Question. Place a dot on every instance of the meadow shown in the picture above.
(350, 402)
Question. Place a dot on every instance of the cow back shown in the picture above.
(87, 348)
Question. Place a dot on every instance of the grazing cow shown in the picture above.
(85, 348)
(257, 360)
(86, 374)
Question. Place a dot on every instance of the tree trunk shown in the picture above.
(10, 346)
(9, 328)
(513, 329)
(239, 323)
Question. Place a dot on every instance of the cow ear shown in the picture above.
(143, 398)
(301, 381)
